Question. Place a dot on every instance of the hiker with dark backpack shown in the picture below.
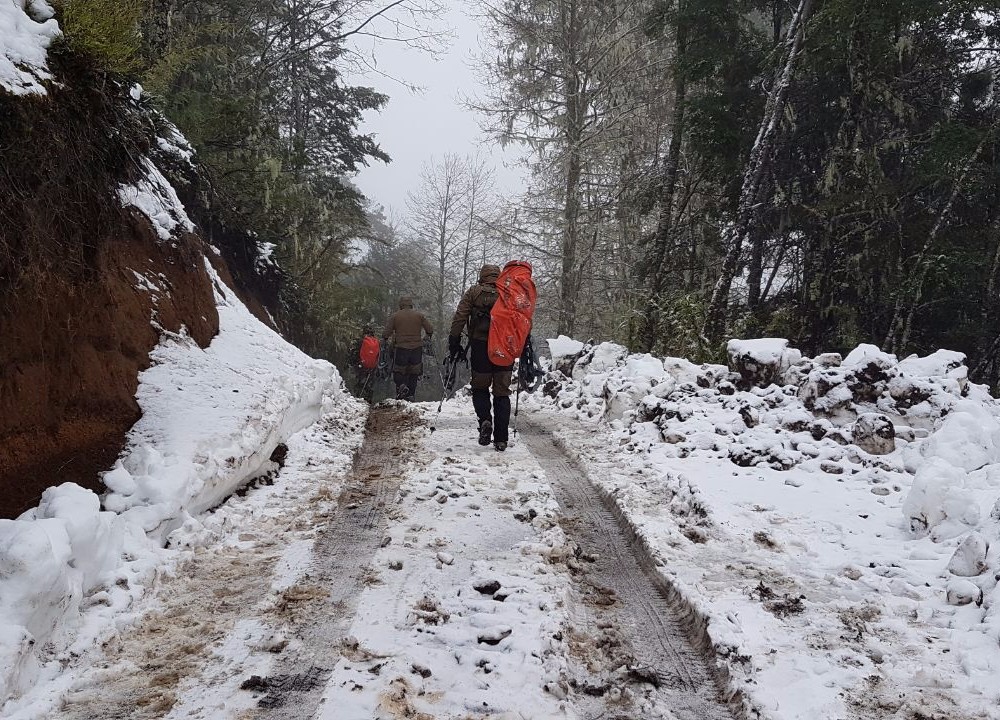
(404, 329)
(364, 357)
(496, 313)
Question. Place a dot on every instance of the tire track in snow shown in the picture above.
(660, 631)
(319, 616)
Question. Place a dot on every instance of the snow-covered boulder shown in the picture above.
(967, 439)
(963, 592)
(826, 390)
(874, 433)
(865, 355)
(565, 352)
(941, 364)
(969, 559)
(828, 360)
(761, 361)
(599, 359)
(628, 385)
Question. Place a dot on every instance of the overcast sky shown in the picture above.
(416, 127)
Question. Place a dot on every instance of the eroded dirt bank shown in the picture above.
(72, 347)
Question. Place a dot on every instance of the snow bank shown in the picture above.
(838, 522)
(27, 27)
(211, 420)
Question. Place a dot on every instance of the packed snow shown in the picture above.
(27, 27)
(836, 521)
(211, 419)
(468, 594)
(463, 604)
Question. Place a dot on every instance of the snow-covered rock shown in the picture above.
(966, 439)
(865, 355)
(564, 352)
(874, 433)
(864, 486)
(939, 364)
(969, 559)
(963, 592)
(938, 503)
(762, 361)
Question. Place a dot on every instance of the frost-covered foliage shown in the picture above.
(27, 27)
(865, 483)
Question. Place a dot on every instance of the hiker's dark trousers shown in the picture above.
(407, 368)
(485, 377)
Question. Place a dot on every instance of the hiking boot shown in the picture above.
(485, 432)
(500, 445)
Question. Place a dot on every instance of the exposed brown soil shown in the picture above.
(71, 348)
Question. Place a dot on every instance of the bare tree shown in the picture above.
(436, 211)
(480, 198)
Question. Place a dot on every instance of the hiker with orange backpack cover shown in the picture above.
(496, 313)
(364, 357)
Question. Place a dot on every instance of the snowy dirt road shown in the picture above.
(429, 578)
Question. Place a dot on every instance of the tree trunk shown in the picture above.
(661, 238)
(753, 179)
(755, 271)
(573, 134)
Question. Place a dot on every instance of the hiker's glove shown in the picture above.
(455, 348)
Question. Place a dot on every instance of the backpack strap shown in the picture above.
(479, 319)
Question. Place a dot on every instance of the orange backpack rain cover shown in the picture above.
(510, 318)
(369, 352)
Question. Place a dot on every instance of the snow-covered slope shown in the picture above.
(211, 419)
(839, 527)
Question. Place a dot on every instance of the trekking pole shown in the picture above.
(448, 375)
(517, 401)
(441, 373)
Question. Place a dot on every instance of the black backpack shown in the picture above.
(529, 370)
